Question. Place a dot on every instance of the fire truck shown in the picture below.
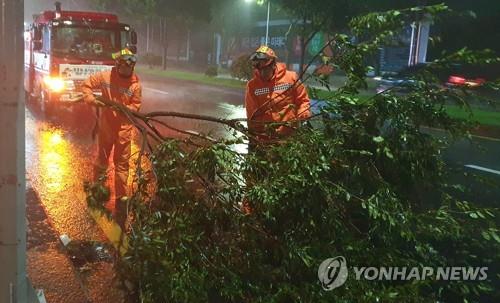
(63, 48)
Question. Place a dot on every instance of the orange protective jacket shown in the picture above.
(126, 91)
(281, 99)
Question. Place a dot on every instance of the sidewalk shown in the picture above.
(225, 81)
(48, 267)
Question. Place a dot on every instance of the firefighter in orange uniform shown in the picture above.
(274, 94)
(115, 131)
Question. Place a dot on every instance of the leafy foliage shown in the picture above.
(212, 71)
(186, 11)
(366, 182)
(97, 195)
(242, 68)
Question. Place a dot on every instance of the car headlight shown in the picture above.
(54, 84)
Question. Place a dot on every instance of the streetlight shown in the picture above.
(268, 13)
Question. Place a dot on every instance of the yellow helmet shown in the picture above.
(125, 55)
(262, 57)
(266, 52)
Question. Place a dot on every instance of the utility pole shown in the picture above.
(267, 21)
(13, 280)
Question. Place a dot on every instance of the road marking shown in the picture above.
(475, 136)
(110, 229)
(156, 90)
(486, 138)
(483, 169)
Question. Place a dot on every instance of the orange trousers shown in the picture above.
(118, 139)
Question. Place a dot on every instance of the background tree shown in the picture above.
(314, 16)
(172, 18)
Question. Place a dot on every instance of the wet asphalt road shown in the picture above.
(187, 97)
(59, 155)
(478, 164)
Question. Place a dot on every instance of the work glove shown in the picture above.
(98, 103)
(75, 99)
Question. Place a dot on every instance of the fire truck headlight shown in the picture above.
(55, 84)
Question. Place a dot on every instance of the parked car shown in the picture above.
(468, 76)
(398, 82)
(465, 76)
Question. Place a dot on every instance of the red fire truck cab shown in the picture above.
(62, 48)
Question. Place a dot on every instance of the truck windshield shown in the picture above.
(87, 43)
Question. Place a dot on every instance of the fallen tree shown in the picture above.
(365, 182)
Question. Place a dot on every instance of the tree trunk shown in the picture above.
(165, 44)
(147, 36)
(302, 47)
(160, 37)
(288, 45)
(179, 41)
(188, 46)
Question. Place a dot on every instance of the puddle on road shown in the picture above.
(54, 161)
(83, 252)
(235, 112)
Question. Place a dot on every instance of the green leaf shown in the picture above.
(388, 153)
(393, 295)
(378, 139)
(495, 235)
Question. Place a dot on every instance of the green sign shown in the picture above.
(316, 43)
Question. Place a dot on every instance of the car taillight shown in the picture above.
(456, 80)
(475, 82)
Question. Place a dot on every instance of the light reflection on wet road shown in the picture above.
(54, 161)
(57, 163)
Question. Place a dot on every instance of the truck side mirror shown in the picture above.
(132, 48)
(133, 37)
(37, 45)
(37, 33)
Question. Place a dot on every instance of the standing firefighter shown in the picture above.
(273, 95)
(120, 85)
